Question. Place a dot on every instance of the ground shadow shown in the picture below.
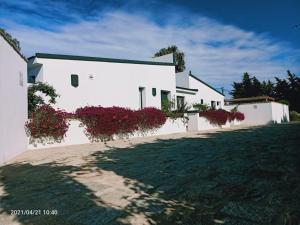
(248, 176)
(49, 187)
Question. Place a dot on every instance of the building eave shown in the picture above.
(191, 75)
(98, 59)
(188, 89)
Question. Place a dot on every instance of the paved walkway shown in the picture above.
(244, 176)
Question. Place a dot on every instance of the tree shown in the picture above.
(267, 88)
(283, 90)
(35, 100)
(249, 87)
(179, 57)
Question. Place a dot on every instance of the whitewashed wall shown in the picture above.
(198, 123)
(262, 113)
(75, 135)
(204, 92)
(113, 84)
(280, 112)
(13, 98)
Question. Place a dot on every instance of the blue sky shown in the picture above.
(221, 39)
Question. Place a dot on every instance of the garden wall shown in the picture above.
(75, 135)
(198, 123)
(262, 113)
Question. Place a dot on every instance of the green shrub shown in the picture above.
(294, 116)
(201, 107)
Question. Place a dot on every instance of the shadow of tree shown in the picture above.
(49, 187)
(248, 176)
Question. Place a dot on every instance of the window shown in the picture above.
(201, 101)
(165, 99)
(180, 102)
(74, 80)
(218, 103)
(142, 97)
(154, 91)
(213, 104)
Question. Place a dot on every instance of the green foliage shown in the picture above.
(10, 39)
(179, 56)
(200, 107)
(35, 100)
(285, 90)
(294, 116)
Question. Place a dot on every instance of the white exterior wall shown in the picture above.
(13, 98)
(262, 113)
(198, 123)
(204, 92)
(280, 112)
(113, 84)
(182, 79)
(75, 135)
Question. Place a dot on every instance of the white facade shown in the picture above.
(105, 82)
(262, 113)
(195, 90)
(13, 98)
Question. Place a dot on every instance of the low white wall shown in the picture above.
(262, 113)
(280, 112)
(198, 123)
(75, 135)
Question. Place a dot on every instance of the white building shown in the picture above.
(260, 110)
(82, 81)
(13, 98)
(191, 89)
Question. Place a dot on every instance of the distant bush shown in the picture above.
(47, 125)
(220, 117)
(294, 116)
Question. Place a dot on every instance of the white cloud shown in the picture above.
(218, 53)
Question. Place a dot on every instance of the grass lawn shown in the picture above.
(240, 177)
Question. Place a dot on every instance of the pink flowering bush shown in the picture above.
(47, 124)
(220, 117)
(102, 123)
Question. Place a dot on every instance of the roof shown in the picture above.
(14, 47)
(252, 99)
(191, 75)
(98, 59)
(188, 89)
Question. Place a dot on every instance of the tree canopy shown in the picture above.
(287, 90)
(179, 57)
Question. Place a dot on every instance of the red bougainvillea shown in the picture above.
(220, 117)
(150, 119)
(103, 123)
(237, 116)
(47, 124)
